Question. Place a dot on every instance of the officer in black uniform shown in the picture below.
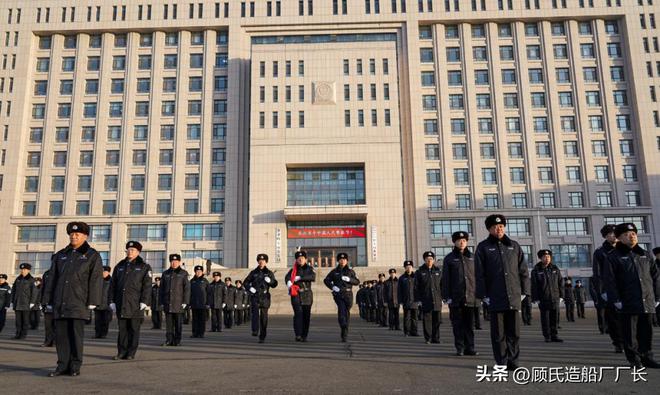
(130, 295)
(199, 288)
(103, 312)
(258, 283)
(72, 292)
(600, 270)
(216, 300)
(24, 297)
(49, 323)
(428, 291)
(35, 311)
(406, 295)
(459, 292)
(174, 296)
(502, 282)
(299, 282)
(600, 311)
(230, 303)
(381, 308)
(359, 300)
(526, 311)
(546, 291)
(633, 286)
(569, 299)
(580, 298)
(5, 299)
(156, 306)
(341, 280)
(390, 295)
(241, 303)
(371, 301)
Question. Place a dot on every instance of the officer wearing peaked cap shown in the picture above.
(547, 287)
(198, 302)
(5, 299)
(24, 296)
(299, 281)
(406, 296)
(600, 269)
(103, 312)
(217, 293)
(174, 297)
(341, 280)
(428, 291)
(258, 284)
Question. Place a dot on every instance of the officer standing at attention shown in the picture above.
(569, 300)
(299, 282)
(392, 300)
(72, 292)
(546, 291)
(241, 303)
(406, 295)
(5, 299)
(49, 323)
(258, 283)
(502, 282)
(174, 296)
(428, 291)
(130, 295)
(600, 270)
(459, 290)
(24, 297)
(380, 301)
(341, 280)
(216, 300)
(102, 312)
(198, 302)
(156, 306)
(230, 303)
(580, 298)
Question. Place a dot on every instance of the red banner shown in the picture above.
(325, 233)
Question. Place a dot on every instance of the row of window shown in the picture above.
(116, 109)
(145, 62)
(145, 40)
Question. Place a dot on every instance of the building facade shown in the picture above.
(222, 129)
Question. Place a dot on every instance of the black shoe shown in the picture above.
(298, 338)
(56, 373)
(556, 340)
(471, 352)
(304, 340)
(261, 340)
(255, 333)
(650, 363)
(459, 353)
(547, 340)
(343, 340)
(166, 344)
(428, 342)
(435, 341)
(478, 328)
(75, 373)
(116, 357)
(129, 358)
(511, 366)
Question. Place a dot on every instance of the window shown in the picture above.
(109, 207)
(112, 158)
(463, 202)
(567, 226)
(489, 176)
(435, 202)
(455, 78)
(519, 200)
(451, 31)
(563, 75)
(202, 231)
(147, 232)
(518, 175)
(604, 199)
(119, 63)
(515, 150)
(590, 74)
(627, 148)
(571, 149)
(560, 51)
(481, 77)
(430, 127)
(620, 98)
(616, 72)
(196, 60)
(571, 255)
(458, 126)
(535, 76)
(426, 55)
(587, 51)
(446, 227)
(82, 207)
(68, 63)
(566, 99)
(137, 182)
(506, 53)
(461, 177)
(487, 150)
(533, 52)
(547, 199)
(36, 234)
(453, 54)
(93, 63)
(573, 174)
(633, 198)
(478, 31)
(602, 173)
(491, 200)
(509, 76)
(429, 102)
(428, 79)
(630, 173)
(517, 226)
(575, 200)
(433, 177)
(545, 175)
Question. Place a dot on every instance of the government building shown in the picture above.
(221, 129)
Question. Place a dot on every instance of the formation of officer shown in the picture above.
(174, 297)
(341, 281)
(259, 282)
(547, 288)
(299, 282)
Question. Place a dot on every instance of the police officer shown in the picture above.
(5, 300)
(73, 290)
(241, 303)
(258, 283)
(156, 306)
(230, 303)
(546, 291)
(216, 300)
(198, 302)
(341, 280)
(600, 311)
(372, 301)
(103, 313)
(24, 297)
(35, 311)
(580, 298)
(390, 294)
(526, 311)
(381, 305)
(632, 283)
(569, 300)
(299, 282)
(600, 270)
(459, 290)
(502, 282)
(130, 295)
(406, 296)
(428, 291)
(174, 296)
(49, 324)
(359, 300)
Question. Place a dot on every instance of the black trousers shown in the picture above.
(3, 318)
(302, 315)
(343, 310)
(173, 328)
(526, 313)
(156, 319)
(637, 330)
(477, 317)
(216, 320)
(22, 322)
(129, 336)
(600, 316)
(393, 317)
(614, 326)
(259, 320)
(548, 322)
(570, 311)
(229, 318)
(35, 317)
(102, 320)
(431, 321)
(198, 322)
(410, 321)
(371, 314)
(580, 310)
(505, 336)
(238, 317)
(462, 323)
(49, 329)
(69, 335)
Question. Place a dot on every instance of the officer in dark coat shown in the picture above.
(526, 311)
(600, 270)
(428, 291)
(600, 311)
(74, 289)
(569, 299)
(5, 299)
(381, 305)
(103, 313)
(459, 291)
(406, 296)
(371, 301)
(24, 297)
(130, 295)
(198, 302)
(390, 294)
(341, 280)
(217, 291)
(299, 282)
(547, 287)
(49, 323)
(230, 303)
(633, 286)
(241, 303)
(580, 298)
(359, 300)
(502, 282)
(258, 283)
(156, 306)
(35, 311)
(174, 297)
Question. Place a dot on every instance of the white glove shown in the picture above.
(522, 297)
(604, 296)
(143, 306)
(224, 305)
(449, 301)
(656, 304)
(254, 291)
(113, 307)
(243, 306)
(335, 288)
(487, 301)
(561, 300)
(267, 280)
(183, 306)
(31, 305)
(296, 279)
(289, 284)
(346, 279)
(49, 309)
(91, 307)
(618, 305)
(235, 306)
